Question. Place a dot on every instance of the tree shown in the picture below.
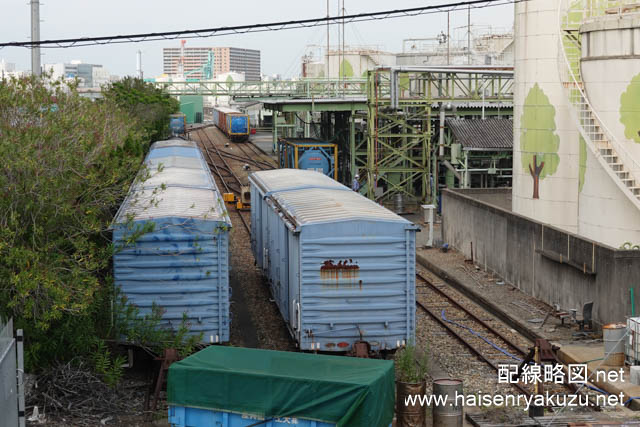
(630, 110)
(67, 164)
(148, 105)
(538, 141)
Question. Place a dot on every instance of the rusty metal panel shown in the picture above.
(350, 262)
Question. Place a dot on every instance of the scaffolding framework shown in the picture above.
(399, 156)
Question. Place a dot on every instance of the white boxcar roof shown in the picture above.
(177, 202)
(310, 197)
(174, 142)
(283, 179)
(182, 187)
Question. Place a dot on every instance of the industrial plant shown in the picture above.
(439, 230)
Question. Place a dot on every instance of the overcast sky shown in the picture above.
(281, 51)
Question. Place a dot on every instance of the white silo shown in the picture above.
(577, 69)
(545, 164)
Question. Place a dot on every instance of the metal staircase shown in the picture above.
(619, 164)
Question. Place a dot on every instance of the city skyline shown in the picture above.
(73, 19)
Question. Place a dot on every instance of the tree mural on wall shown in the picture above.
(630, 110)
(538, 141)
(582, 163)
(346, 70)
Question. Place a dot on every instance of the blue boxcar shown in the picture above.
(183, 264)
(341, 267)
(233, 123)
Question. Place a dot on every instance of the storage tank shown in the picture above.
(340, 266)
(545, 153)
(610, 70)
(309, 154)
(576, 117)
(182, 263)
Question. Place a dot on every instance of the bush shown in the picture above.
(149, 105)
(67, 163)
(412, 364)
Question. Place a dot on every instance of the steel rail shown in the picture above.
(259, 163)
(484, 324)
(256, 163)
(467, 344)
(260, 150)
(222, 178)
(475, 350)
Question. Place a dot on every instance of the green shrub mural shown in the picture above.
(346, 70)
(538, 141)
(582, 163)
(630, 110)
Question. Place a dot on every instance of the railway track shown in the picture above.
(256, 322)
(255, 151)
(230, 181)
(479, 336)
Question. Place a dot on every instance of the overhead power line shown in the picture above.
(253, 28)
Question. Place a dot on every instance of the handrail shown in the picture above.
(568, 71)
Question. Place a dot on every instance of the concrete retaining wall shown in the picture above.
(545, 262)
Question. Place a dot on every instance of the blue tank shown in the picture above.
(309, 154)
(315, 159)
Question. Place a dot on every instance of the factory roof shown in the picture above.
(483, 135)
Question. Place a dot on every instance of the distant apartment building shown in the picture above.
(226, 59)
(88, 75)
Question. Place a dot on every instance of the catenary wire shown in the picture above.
(253, 28)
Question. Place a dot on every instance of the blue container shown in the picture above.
(239, 125)
(180, 416)
(177, 124)
(311, 154)
(233, 123)
(341, 267)
(183, 264)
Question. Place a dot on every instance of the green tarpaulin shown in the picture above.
(334, 389)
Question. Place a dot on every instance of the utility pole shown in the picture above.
(469, 35)
(448, 38)
(36, 68)
(339, 50)
(343, 53)
(139, 64)
(328, 69)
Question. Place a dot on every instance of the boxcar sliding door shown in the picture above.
(283, 276)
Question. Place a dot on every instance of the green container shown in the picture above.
(190, 105)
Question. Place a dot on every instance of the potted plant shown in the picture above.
(411, 370)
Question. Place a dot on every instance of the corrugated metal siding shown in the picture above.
(366, 289)
(285, 179)
(375, 300)
(183, 264)
(318, 205)
(478, 134)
